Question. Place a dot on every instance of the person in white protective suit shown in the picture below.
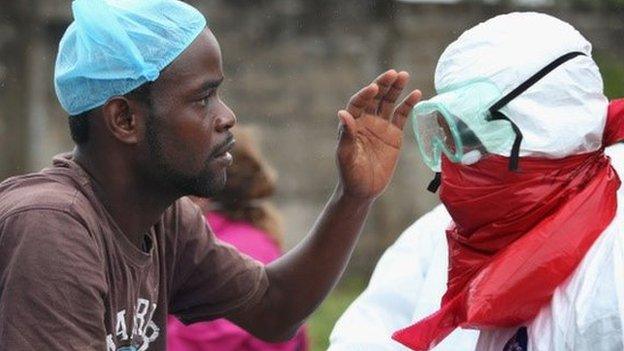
(536, 252)
(408, 282)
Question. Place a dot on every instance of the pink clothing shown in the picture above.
(246, 238)
(221, 335)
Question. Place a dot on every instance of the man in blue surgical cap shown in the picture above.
(96, 250)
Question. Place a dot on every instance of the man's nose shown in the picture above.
(226, 119)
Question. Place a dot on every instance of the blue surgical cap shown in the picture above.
(115, 46)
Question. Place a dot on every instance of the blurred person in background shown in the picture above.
(241, 215)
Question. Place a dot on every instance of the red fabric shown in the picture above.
(516, 236)
(614, 131)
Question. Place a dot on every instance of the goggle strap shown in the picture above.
(435, 183)
(494, 109)
(514, 158)
(534, 78)
(515, 149)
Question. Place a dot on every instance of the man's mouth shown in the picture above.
(222, 152)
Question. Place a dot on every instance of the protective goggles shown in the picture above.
(464, 121)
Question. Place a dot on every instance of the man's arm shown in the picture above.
(51, 284)
(410, 274)
(371, 132)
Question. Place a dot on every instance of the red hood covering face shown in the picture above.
(516, 236)
(493, 207)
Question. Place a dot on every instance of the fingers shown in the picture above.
(385, 82)
(379, 98)
(389, 100)
(348, 127)
(403, 111)
(361, 100)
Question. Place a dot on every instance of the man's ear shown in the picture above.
(121, 116)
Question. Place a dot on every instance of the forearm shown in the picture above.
(300, 280)
(371, 133)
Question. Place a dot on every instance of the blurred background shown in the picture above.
(290, 65)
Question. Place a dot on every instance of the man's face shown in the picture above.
(187, 132)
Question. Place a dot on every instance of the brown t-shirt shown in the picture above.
(71, 280)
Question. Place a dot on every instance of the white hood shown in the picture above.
(562, 114)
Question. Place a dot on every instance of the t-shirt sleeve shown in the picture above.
(51, 284)
(210, 279)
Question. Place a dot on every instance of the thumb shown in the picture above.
(348, 126)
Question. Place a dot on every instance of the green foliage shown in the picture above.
(612, 71)
(323, 320)
(593, 4)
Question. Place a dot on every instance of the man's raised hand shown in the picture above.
(371, 135)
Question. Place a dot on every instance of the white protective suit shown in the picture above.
(563, 114)
(410, 279)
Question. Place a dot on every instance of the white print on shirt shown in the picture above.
(144, 330)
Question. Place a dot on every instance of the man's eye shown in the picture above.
(206, 99)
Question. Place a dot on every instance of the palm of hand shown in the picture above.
(371, 135)
(368, 160)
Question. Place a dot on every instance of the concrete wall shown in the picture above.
(290, 66)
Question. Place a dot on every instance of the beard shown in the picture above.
(206, 183)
